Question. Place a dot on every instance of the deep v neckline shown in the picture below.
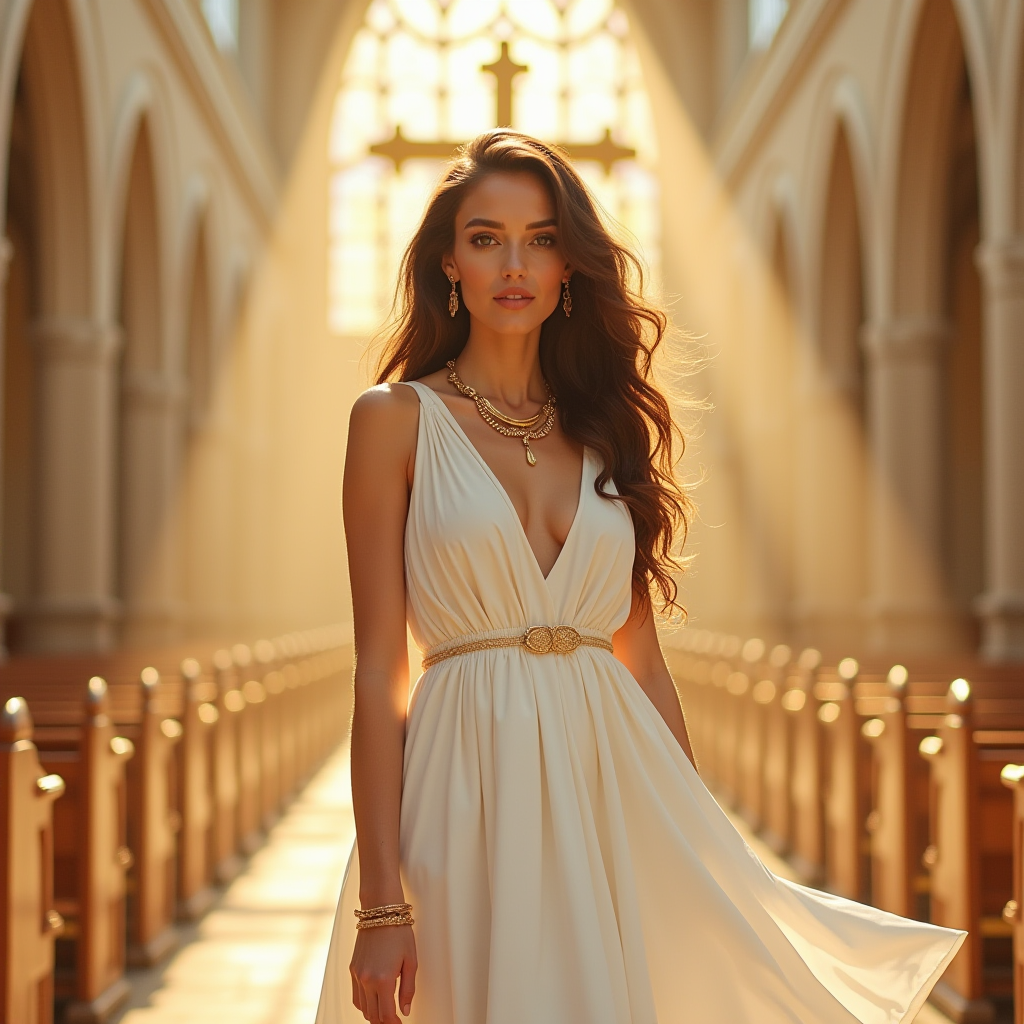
(449, 417)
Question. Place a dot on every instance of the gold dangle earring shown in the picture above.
(453, 299)
(566, 298)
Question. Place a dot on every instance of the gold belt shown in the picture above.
(536, 639)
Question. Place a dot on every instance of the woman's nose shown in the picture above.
(515, 264)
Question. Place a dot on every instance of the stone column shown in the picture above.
(1001, 607)
(151, 430)
(210, 524)
(831, 507)
(907, 607)
(74, 608)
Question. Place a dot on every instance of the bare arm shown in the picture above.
(375, 497)
(637, 647)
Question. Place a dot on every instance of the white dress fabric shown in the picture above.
(565, 863)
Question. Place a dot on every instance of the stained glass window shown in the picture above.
(764, 19)
(222, 17)
(416, 83)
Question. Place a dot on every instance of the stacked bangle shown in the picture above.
(390, 913)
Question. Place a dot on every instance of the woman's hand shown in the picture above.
(381, 957)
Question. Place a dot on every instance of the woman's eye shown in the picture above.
(546, 240)
(483, 240)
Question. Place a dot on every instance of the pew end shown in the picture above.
(27, 795)
(970, 856)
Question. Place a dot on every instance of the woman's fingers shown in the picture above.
(385, 996)
(379, 999)
(357, 996)
(371, 1006)
(407, 984)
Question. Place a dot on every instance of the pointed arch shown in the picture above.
(831, 504)
(141, 114)
(843, 109)
(192, 340)
(778, 228)
(783, 248)
(141, 278)
(199, 347)
(841, 301)
(203, 499)
(937, 85)
(150, 405)
(55, 117)
(53, 348)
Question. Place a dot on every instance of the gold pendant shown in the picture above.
(530, 457)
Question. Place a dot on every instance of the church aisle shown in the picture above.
(258, 956)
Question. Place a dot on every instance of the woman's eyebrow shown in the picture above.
(480, 222)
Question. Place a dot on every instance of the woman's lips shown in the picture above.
(512, 299)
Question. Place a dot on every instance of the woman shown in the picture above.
(534, 844)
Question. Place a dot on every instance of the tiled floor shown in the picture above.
(258, 956)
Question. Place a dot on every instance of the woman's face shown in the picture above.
(507, 258)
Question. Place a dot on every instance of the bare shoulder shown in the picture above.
(390, 407)
(383, 422)
(393, 403)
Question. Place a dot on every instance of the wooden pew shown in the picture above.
(749, 746)
(806, 794)
(195, 862)
(783, 704)
(330, 678)
(145, 708)
(90, 854)
(898, 821)
(899, 816)
(731, 684)
(849, 697)
(690, 667)
(271, 689)
(154, 823)
(1012, 776)
(971, 850)
(248, 748)
(700, 700)
(290, 716)
(26, 872)
(298, 684)
(200, 747)
(229, 702)
(761, 711)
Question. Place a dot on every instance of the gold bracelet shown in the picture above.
(379, 922)
(383, 911)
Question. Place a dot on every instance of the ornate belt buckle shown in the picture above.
(552, 640)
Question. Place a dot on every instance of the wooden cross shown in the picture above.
(399, 149)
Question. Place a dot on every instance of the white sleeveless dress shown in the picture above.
(565, 863)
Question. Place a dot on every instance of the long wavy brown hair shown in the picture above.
(598, 362)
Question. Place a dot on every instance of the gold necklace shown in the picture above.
(529, 429)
